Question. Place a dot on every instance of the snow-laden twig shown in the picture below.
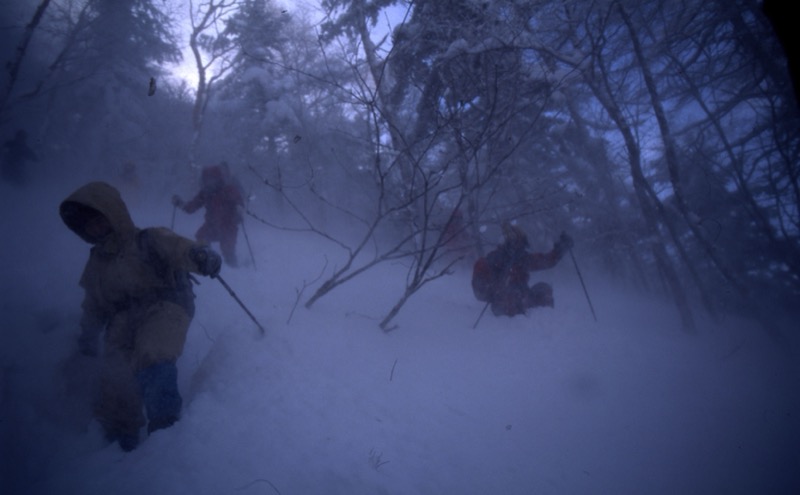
(375, 459)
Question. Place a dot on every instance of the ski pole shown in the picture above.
(480, 316)
(244, 230)
(249, 248)
(586, 292)
(236, 298)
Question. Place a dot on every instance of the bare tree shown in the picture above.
(601, 114)
(22, 48)
(211, 50)
(596, 74)
(660, 68)
(378, 242)
(443, 156)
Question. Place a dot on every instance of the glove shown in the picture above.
(88, 345)
(177, 201)
(564, 243)
(207, 260)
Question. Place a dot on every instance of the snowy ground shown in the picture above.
(326, 403)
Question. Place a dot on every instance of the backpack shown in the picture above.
(483, 280)
(180, 289)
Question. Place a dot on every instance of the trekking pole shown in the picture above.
(586, 292)
(249, 248)
(480, 316)
(172, 224)
(236, 298)
(244, 230)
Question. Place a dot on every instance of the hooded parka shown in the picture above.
(137, 290)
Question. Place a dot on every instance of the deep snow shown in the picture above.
(551, 403)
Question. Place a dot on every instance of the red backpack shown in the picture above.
(483, 280)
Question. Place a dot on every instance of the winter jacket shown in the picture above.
(501, 278)
(136, 282)
(221, 200)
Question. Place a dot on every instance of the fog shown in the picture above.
(380, 151)
(551, 402)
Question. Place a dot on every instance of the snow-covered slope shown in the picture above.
(326, 403)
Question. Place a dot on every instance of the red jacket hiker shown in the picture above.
(222, 199)
(501, 278)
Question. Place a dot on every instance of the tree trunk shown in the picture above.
(645, 195)
(671, 158)
(22, 48)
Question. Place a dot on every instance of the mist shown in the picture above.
(552, 402)
(378, 165)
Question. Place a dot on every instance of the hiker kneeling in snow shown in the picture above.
(501, 278)
(138, 290)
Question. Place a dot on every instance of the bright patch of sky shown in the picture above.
(186, 70)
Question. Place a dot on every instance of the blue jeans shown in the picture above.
(162, 401)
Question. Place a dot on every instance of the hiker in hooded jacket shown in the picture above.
(222, 199)
(501, 277)
(138, 295)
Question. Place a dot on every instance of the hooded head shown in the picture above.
(212, 177)
(96, 212)
(514, 236)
